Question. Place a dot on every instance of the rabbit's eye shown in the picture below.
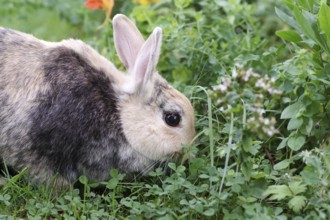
(172, 119)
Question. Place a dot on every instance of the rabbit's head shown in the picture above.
(156, 118)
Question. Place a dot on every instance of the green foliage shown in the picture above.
(262, 111)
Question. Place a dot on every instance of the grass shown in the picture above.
(257, 73)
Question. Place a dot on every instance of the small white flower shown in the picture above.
(287, 175)
(269, 132)
(261, 84)
(255, 75)
(266, 121)
(273, 129)
(252, 119)
(277, 92)
(227, 82)
(234, 73)
(305, 154)
(239, 66)
(222, 87)
(260, 111)
(248, 74)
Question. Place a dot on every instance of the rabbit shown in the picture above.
(67, 111)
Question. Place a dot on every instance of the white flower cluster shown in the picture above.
(257, 122)
(261, 123)
(226, 83)
(247, 75)
(265, 83)
(305, 154)
(252, 89)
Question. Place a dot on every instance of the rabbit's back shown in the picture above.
(21, 78)
(55, 108)
(20, 59)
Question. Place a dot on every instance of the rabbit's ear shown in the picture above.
(147, 59)
(128, 40)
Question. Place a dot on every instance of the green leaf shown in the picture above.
(247, 199)
(309, 126)
(297, 187)
(308, 24)
(324, 20)
(182, 3)
(296, 142)
(323, 80)
(310, 175)
(180, 169)
(209, 212)
(291, 111)
(283, 143)
(83, 180)
(282, 165)
(112, 183)
(289, 35)
(297, 203)
(305, 21)
(313, 108)
(247, 145)
(204, 176)
(244, 59)
(114, 173)
(172, 166)
(306, 4)
(278, 192)
(289, 3)
(295, 123)
(286, 18)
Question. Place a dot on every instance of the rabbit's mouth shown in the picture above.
(165, 163)
(161, 167)
(175, 158)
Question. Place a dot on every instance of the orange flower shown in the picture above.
(106, 5)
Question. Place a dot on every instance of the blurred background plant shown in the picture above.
(257, 72)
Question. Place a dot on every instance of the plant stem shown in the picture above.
(209, 106)
(228, 151)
